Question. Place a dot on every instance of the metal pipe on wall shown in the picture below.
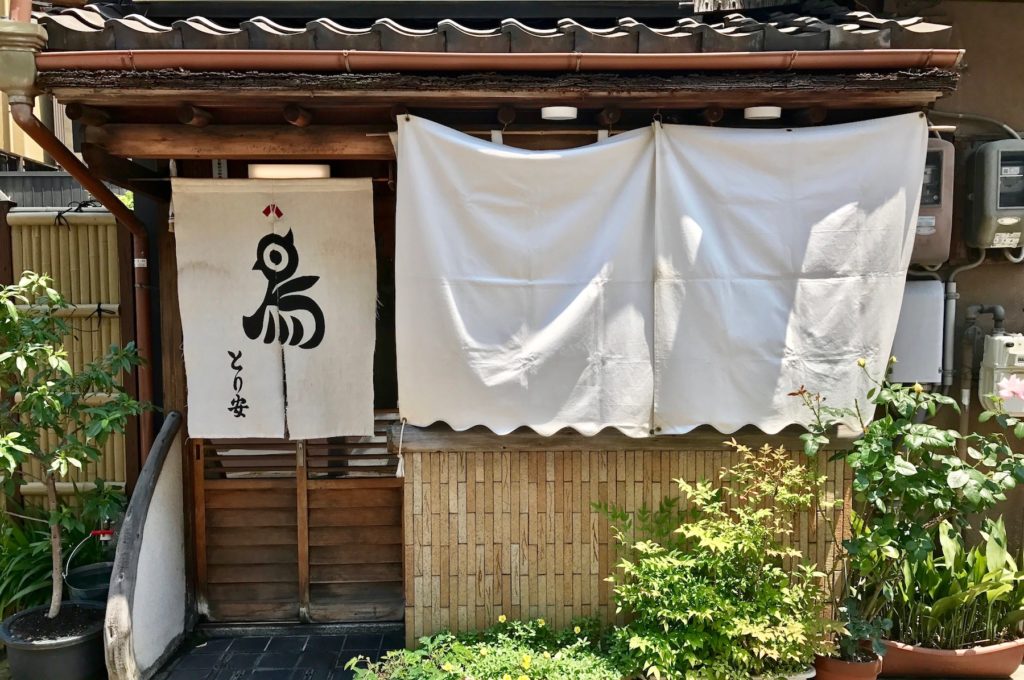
(21, 112)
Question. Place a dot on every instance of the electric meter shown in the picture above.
(935, 216)
(1004, 356)
(997, 219)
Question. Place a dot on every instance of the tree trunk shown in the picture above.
(58, 560)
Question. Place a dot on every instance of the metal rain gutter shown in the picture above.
(365, 61)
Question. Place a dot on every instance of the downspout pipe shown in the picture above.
(969, 343)
(25, 118)
(20, 41)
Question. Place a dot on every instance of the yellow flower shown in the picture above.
(540, 622)
(501, 618)
(483, 652)
(917, 388)
(527, 660)
(448, 667)
(506, 677)
(862, 362)
(577, 630)
(547, 655)
(522, 677)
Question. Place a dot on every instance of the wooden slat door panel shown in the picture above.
(307, 531)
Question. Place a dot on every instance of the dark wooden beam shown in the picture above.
(609, 115)
(194, 116)
(812, 115)
(244, 142)
(713, 114)
(125, 173)
(298, 116)
(87, 115)
(506, 114)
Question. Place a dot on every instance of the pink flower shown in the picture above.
(1011, 387)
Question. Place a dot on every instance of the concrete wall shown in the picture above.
(992, 85)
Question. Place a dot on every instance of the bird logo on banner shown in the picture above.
(284, 307)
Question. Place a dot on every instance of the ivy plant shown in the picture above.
(49, 412)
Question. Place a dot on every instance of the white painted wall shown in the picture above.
(158, 614)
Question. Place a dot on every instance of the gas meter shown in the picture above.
(1004, 356)
(997, 215)
(935, 216)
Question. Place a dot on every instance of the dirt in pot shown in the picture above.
(71, 621)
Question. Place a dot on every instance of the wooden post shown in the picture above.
(302, 522)
(87, 115)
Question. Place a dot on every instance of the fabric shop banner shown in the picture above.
(664, 278)
(277, 292)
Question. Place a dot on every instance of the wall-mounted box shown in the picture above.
(997, 199)
(935, 216)
(1004, 357)
(918, 343)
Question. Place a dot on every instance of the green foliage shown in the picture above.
(907, 482)
(714, 599)
(49, 412)
(960, 598)
(25, 565)
(515, 650)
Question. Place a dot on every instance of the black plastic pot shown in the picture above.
(78, 657)
(90, 583)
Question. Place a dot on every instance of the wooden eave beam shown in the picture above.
(522, 99)
(126, 174)
(243, 142)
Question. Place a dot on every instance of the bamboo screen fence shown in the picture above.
(514, 533)
(80, 252)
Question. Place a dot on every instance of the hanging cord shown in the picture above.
(74, 206)
(400, 472)
(1016, 259)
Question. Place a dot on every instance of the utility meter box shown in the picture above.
(918, 342)
(1004, 356)
(935, 216)
(997, 212)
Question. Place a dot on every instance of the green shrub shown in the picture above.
(714, 600)
(508, 651)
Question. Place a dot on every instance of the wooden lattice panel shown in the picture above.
(514, 533)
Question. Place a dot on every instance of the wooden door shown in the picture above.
(299, 531)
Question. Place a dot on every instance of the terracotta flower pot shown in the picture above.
(990, 661)
(834, 669)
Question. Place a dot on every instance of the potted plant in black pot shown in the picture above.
(909, 485)
(60, 418)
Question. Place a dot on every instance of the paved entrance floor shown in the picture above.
(284, 655)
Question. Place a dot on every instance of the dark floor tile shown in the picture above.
(325, 642)
(192, 661)
(250, 644)
(311, 674)
(287, 643)
(275, 674)
(278, 660)
(189, 674)
(240, 661)
(342, 675)
(317, 659)
(211, 646)
(362, 642)
(233, 674)
(393, 641)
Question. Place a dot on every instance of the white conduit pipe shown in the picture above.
(949, 321)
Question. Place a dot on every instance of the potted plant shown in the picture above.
(61, 419)
(712, 591)
(907, 482)
(957, 613)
